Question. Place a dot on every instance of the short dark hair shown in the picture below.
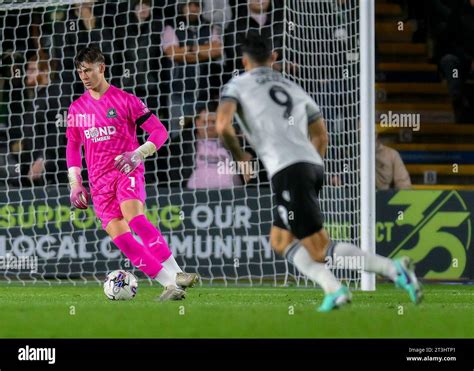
(144, 2)
(257, 47)
(89, 54)
(182, 3)
(209, 106)
(186, 2)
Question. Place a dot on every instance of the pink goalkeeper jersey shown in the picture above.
(106, 128)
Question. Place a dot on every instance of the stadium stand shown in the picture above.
(438, 151)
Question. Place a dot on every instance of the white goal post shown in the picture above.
(367, 134)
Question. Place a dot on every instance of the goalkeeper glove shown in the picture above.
(129, 161)
(79, 196)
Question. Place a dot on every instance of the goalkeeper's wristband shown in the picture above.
(74, 176)
(146, 150)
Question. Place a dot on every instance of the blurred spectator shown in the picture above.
(217, 13)
(200, 160)
(142, 54)
(452, 27)
(263, 15)
(190, 45)
(390, 169)
(416, 14)
(83, 25)
(10, 163)
(36, 142)
(138, 44)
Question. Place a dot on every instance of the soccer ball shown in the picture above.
(120, 285)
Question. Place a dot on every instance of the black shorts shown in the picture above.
(296, 189)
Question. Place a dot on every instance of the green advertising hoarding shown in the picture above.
(434, 228)
(225, 232)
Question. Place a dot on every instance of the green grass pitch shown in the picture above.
(235, 312)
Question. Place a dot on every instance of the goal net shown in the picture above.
(176, 62)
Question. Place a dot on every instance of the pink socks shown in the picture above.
(139, 256)
(151, 237)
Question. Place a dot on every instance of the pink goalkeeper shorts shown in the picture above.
(114, 188)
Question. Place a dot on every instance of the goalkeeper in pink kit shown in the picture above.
(104, 121)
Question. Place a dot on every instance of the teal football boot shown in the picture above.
(407, 280)
(336, 300)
